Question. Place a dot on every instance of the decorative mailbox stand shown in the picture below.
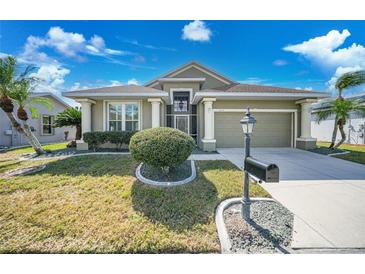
(253, 168)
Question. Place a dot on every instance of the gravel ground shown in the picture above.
(270, 230)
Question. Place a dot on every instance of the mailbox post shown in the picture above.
(247, 124)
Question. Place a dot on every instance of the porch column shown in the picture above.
(155, 111)
(306, 141)
(208, 140)
(85, 121)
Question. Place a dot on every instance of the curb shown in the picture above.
(223, 236)
(166, 184)
(338, 153)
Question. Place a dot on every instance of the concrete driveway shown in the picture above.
(326, 195)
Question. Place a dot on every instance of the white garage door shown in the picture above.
(271, 129)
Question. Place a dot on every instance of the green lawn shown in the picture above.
(357, 152)
(9, 159)
(94, 204)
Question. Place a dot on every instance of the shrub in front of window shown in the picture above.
(119, 138)
(161, 147)
(97, 138)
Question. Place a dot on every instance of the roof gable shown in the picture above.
(193, 70)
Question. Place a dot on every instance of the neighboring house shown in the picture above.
(42, 126)
(354, 128)
(204, 104)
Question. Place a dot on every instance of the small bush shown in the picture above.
(161, 147)
(120, 137)
(97, 138)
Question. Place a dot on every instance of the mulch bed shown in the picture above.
(269, 232)
(175, 174)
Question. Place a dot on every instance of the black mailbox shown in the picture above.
(268, 173)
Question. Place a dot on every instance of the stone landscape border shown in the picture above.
(34, 157)
(22, 171)
(144, 180)
(225, 241)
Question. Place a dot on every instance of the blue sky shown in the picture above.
(84, 54)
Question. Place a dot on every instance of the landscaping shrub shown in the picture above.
(161, 147)
(97, 138)
(119, 137)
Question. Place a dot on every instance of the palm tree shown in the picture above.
(341, 108)
(70, 117)
(18, 89)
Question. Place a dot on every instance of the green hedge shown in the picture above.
(161, 147)
(97, 138)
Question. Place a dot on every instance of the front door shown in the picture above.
(182, 123)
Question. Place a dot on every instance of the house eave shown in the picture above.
(257, 96)
(105, 95)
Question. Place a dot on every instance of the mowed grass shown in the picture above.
(94, 204)
(10, 159)
(357, 152)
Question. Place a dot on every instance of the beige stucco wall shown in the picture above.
(97, 116)
(210, 81)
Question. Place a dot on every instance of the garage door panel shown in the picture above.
(271, 130)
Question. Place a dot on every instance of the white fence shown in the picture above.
(354, 128)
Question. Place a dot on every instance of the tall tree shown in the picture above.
(18, 88)
(70, 117)
(341, 108)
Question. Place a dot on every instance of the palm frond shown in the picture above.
(350, 79)
(7, 72)
(68, 117)
(324, 114)
(34, 112)
(46, 102)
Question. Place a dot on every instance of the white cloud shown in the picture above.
(133, 81)
(196, 31)
(324, 51)
(51, 77)
(102, 83)
(147, 46)
(114, 83)
(3, 55)
(340, 71)
(280, 62)
(254, 81)
(69, 44)
(306, 88)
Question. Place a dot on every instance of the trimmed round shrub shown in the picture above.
(161, 147)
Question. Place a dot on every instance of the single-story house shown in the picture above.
(42, 126)
(354, 128)
(206, 105)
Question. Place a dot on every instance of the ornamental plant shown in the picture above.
(161, 147)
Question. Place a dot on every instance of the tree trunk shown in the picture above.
(78, 132)
(33, 141)
(334, 133)
(343, 134)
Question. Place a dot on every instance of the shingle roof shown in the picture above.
(116, 89)
(256, 88)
